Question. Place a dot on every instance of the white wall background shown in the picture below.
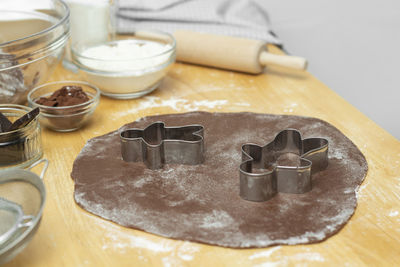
(352, 46)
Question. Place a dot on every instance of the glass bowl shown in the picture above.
(132, 76)
(33, 35)
(66, 118)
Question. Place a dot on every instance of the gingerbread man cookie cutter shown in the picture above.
(157, 145)
(264, 173)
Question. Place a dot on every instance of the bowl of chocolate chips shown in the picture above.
(66, 105)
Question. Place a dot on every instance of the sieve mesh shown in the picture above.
(17, 198)
(8, 218)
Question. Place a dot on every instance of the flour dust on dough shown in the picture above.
(201, 203)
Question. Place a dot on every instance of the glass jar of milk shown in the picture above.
(90, 20)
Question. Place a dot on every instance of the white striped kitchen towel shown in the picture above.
(242, 18)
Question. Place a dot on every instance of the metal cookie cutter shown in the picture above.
(157, 145)
(262, 173)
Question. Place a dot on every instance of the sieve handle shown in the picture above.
(46, 165)
(27, 221)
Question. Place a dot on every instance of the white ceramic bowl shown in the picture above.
(132, 76)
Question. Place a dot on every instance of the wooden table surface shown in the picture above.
(70, 236)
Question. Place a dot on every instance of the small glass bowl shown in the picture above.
(68, 118)
(131, 77)
(21, 147)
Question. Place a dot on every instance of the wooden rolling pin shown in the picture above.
(230, 53)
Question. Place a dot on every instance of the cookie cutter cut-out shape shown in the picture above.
(264, 172)
(157, 145)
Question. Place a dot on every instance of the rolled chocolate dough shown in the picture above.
(201, 203)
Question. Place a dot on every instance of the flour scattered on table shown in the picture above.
(178, 252)
(264, 254)
(244, 104)
(179, 104)
(275, 259)
(394, 213)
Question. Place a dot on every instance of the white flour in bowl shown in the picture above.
(125, 55)
(126, 68)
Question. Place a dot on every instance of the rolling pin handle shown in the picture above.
(293, 62)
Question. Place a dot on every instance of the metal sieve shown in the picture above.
(22, 198)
